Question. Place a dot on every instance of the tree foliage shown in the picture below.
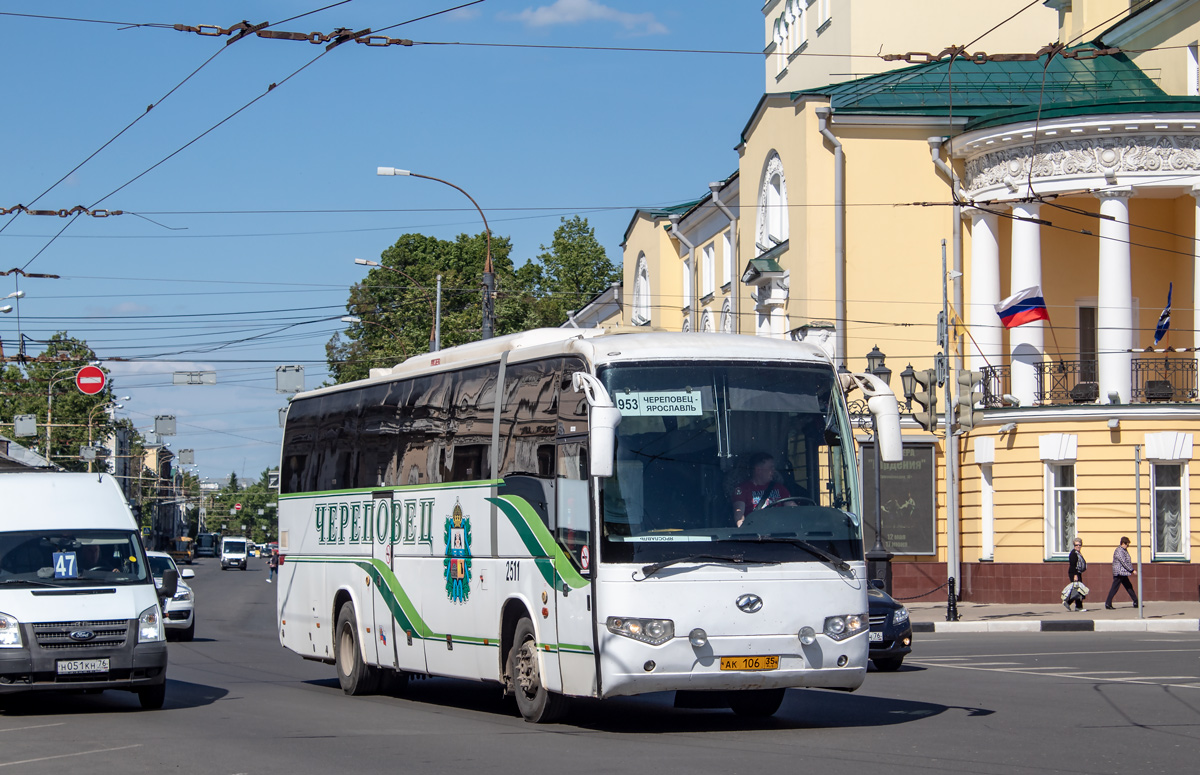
(38, 386)
(396, 301)
(254, 497)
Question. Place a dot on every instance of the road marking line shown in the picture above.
(1104, 672)
(995, 664)
(1048, 667)
(36, 726)
(1144, 680)
(68, 755)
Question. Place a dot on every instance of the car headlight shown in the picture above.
(150, 626)
(901, 615)
(652, 631)
(10, 632)
(183, 594)
(846, 626)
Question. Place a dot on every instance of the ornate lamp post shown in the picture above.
(879, 559)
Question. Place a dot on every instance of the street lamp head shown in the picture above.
(6, 308)
(908, 378)
(351, 319)
(365, 262)
(874, 359)
(391, 171)
(16, 295)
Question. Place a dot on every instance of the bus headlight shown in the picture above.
(652, 631)
(150, 627)
(846, 626)
(10, 632)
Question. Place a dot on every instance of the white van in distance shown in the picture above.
(234, 552)
(78, 605)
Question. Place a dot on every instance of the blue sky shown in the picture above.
(533, 134)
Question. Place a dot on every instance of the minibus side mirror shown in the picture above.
(603, 421)
(886, 412)
(170, 585)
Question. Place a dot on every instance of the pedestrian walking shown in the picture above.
(1077, 565)
(272, 565)
(1122, 570)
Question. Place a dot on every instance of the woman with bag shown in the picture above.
(1075, 574)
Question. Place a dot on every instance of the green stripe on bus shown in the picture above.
(405, 613)
(538, 539)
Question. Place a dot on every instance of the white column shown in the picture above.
(1114, 313)
(1025, 342)
(988, 334)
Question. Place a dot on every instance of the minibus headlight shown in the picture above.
(10, 632)
(846, 626)
(652, 631)
(150, 626)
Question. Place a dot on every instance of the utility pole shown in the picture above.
(951, 452)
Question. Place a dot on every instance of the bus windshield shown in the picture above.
(750, 462)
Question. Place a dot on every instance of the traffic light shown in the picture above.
(926, 398)
(967, 398)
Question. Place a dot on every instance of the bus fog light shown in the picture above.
(808, 636)
(842, 660)
(649, 666)
(698, 638)
(652, 631)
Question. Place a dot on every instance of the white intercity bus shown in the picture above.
(583, 513)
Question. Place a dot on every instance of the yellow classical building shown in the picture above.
(1076, 172)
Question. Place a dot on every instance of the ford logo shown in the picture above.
(750, 604)
(82, 635)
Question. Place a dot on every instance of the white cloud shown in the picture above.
(580, 11)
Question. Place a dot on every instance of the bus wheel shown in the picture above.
(536, 703)
(756, 703)
(355, 676)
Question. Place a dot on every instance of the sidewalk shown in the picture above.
(1174, 616)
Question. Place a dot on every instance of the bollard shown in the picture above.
(951, 602)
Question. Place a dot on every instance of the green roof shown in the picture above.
(974, 90)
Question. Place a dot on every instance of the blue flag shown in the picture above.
(1164, 320)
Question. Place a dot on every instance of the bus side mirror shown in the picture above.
(886, 412)
(603, 421)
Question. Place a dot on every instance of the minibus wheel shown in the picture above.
(536, 703)
(355, 676)
(153, 697)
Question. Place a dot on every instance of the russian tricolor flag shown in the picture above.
(1023, 307)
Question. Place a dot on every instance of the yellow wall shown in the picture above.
(1167, 64)
(647, 235)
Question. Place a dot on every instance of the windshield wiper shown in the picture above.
(650, 570)
(31, 581)
(833, 560)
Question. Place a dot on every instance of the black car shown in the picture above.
(891, 631)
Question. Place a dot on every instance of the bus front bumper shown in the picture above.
(632, 667)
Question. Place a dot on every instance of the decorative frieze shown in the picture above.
(1103, 156)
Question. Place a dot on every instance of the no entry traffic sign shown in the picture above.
(89, 380)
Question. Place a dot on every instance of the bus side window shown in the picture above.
(527, 435)
(470, 440)
(574, 506)
(572, 405)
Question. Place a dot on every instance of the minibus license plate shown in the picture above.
(77, 666)
(750, 663)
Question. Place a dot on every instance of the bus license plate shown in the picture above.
(77, 666)
(750, 663)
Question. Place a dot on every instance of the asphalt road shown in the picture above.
(1002, 703)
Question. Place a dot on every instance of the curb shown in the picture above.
(1064, 625)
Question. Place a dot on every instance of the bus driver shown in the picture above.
(760, 490)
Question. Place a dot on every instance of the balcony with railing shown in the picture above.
(1157, 377)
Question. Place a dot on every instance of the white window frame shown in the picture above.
(688, 285)
(1059, 451)
(1183, 489)
(1193, 71)
(708, 271)
(641, 293)
(727, 257)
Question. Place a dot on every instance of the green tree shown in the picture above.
(254, 497)
(396, 302)
(567, 274)
(36, 386)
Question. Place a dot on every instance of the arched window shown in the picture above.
(726, 318)
(687, 325)
(641, 293)
(772, 206)
(706, 324)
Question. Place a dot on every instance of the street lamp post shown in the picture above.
(879, 559)
(435, 335)
(489, 276)
(92, 414)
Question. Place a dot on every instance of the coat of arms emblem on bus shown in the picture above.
(458, 555)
